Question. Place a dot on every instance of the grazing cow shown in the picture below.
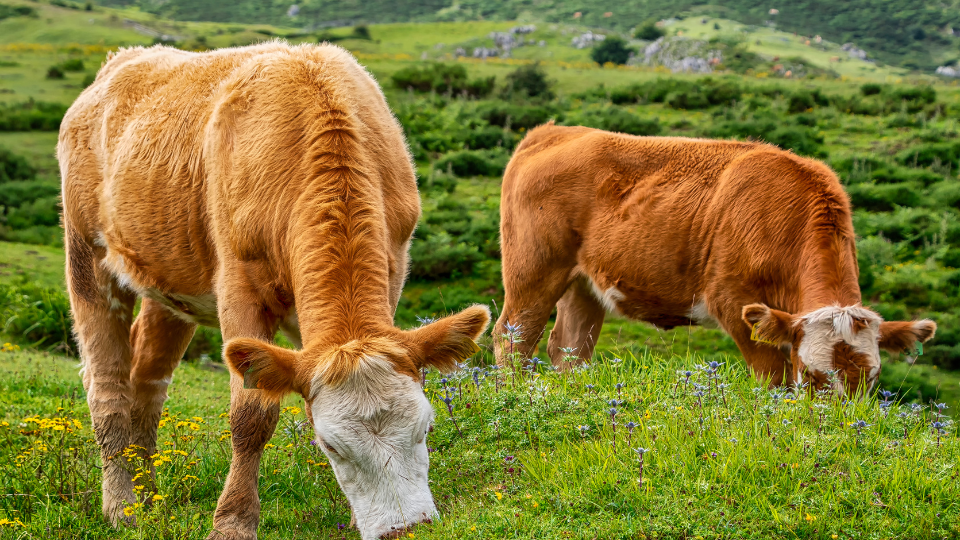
(253, 189)
(678, 231)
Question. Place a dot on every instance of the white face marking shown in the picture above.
(373, 428)
(824, 328)
(701, 315)
(608, 298)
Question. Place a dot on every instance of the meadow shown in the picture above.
(526, 454)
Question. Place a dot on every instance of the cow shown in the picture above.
(255, 189)
(677, 231)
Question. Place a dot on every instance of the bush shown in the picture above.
(515, 116)
(437, 181)
(44, 211)
(490, 137)
(884, 197)
(649, 32)
(616, 119)
(31, 116)
(929, 154)
(677, 93)
(72, 64)
(871, 89)
(55, 73)
(613, 49)
(474, 162)
(37, 316)
(530, 81)
(442, 78)
(14, 167)
(8, 12)
(15, 194)
(805, 100)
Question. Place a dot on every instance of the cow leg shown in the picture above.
(579, 320)
(102, 311)
(251, 423)
(530, 298)
(159, 339)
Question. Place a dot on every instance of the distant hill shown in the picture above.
(916, 34)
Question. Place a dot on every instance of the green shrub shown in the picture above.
(613, 49)
(649, 32)
(15, 194)
(442, 78)
(616, 119)
(54, 72)
(515, 116)
(474, 162)
(930, 154)
(490, 137)
(206, 342)
(88, 79)
(946, 193)
(14, 167)
(72, 64)
(437, 181)
(871, 89)
(8, 11)
(31, 116)
(529, 81)
(805, 100)
(892, 174)
(37, 316)
(44, 211)
(884, 197)
(440, 256)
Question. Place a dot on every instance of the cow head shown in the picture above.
(369, 414)
(843, 340)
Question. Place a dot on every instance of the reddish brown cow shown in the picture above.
(254, 189)
(678, 231)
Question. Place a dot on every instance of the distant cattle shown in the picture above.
(678, 231)
(255, 189)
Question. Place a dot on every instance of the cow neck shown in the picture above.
(339, 270)
(829, 273)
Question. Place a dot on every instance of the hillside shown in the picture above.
(892, 138)
(912, 33)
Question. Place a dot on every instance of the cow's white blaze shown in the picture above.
(824, 328)
(373, 428)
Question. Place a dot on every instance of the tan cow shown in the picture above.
(254, 189)
(678, 231)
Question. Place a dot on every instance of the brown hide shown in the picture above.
(671, 231)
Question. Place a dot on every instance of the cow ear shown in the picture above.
(266, 367)
(770, 326)
(452, 339)
(902, 336)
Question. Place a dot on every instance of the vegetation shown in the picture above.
(904, 32)
(673, 446)
(613, 50)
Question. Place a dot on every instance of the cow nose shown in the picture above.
(403, 531)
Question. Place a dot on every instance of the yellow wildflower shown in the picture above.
(499, 496)
(128, 511)
(157, 497)
(809, 518)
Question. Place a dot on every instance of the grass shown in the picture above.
(42, 264)
(727, 459)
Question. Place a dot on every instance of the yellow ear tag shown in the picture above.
(755, 336)
(474, 351)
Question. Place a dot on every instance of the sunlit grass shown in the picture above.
(532, 455)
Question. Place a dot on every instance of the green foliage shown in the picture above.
(614, 119)
(508, 115)
(677, 93)
(649, 31)
(529, 81)
(465, 163)
(37, 316)
(612, 50)
(442, 79)
(7, 11)
(884, 197)
(55, 72)
(766, 126)
(72, 64)
(13, 167)
(31, 116)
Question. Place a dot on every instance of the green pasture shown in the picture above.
(530, 455)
